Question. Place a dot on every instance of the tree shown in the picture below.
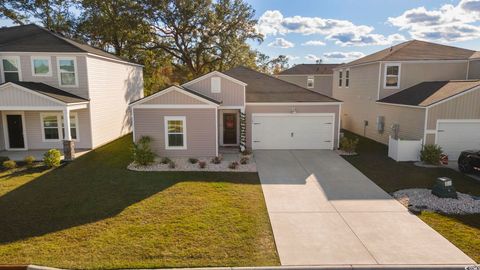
(266, 64)
(9, 10)
(203, 35)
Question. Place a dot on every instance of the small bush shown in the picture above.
(233, 165)
(2, 159)
(246, 152)
(431, 154)
(9, 164)
(193, 160)
(51, 158)
(202, 164)
(244, 160)
(29, 160)
(142, 152)
(165, 160)
(172, 165)
(348, 145)
(216, 160)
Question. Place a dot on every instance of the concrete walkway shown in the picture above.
(325, 212)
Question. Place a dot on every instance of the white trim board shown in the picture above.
(292, 103)
(174, 106)
(184, 132)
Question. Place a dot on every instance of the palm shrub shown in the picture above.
(52, 158)
(431, 154)
(142, 152)
(348, 145)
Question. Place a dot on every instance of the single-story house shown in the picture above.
(238, 108)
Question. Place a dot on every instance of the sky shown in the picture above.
(341, 31)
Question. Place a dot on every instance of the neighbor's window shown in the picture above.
(11, 69)
(347, 78)
(41, 66)
(175, 132)
(216, 84)
(310, 82)
(67, 71)
(392, 76)
(52, 126)
(340, 78)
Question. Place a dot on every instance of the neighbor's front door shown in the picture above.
(15, 131)
(229, 128)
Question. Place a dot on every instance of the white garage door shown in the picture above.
(454, 137)
(292, 131)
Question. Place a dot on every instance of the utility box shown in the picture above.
(443, 188)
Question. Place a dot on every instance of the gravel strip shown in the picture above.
(422, 199)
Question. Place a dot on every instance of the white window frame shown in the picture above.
(340, 78)
(347, 78)
(59, 71)
(184, 133)
(312, 79)
(216, 84)
(48, 58)
(17, 58)
(387, 65)
(59, 127)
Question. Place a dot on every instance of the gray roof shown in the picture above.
(416, 50)
(33, 38)
(428, 93)
(265, 88)
(310, 69)
(52, 92)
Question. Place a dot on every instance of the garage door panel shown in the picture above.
(455, 137)
(292, 132)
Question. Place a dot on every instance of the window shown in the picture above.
(175, 132)
(53, 127)
(310, 82)
(11, 69)
(340, 77)
(41, 66)
(67, 71)
(392, 76)
(216, 84)
(347, 78)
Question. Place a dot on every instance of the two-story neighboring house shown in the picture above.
(49, 82)
(316, 77)
(418, 90)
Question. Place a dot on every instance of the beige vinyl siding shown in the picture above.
(112, 86)
(322, 83)
(174, 97)
(465, 106)
(411, 122)
(415, 73)
(249, 110)
(2, 138)
(474, 69)
(12, 96)
(232, 94)
(200, 125)
(430, 139)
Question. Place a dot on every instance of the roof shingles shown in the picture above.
(51, 92)
(310, 69)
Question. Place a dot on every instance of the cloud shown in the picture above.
(281, 43)
(314, 43)
(312, 57)
(343, 55)
(292, 57)
(449, 23)
(342, 32)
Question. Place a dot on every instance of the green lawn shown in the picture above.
(463, 231)
(95, 214)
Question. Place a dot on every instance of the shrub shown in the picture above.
(431, 154)
(348, 145)
(216, 160)
(233, 165)
(51, 158)
(142, 152)
(244, 160)
(193, 160)
(9, 164)
(29, 160)
(202, 164)
(165, 160)
(246, 152)
(172, 165)
(2, 159)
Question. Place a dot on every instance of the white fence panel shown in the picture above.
(404, 150)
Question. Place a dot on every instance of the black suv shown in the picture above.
(469, 161)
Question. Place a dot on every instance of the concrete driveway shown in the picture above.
(325, 212)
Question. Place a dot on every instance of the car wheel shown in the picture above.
(464, 166)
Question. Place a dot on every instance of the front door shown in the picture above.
(15, 131)
(229, 128)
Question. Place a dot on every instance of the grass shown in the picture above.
(463, 231)
(95, 214)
